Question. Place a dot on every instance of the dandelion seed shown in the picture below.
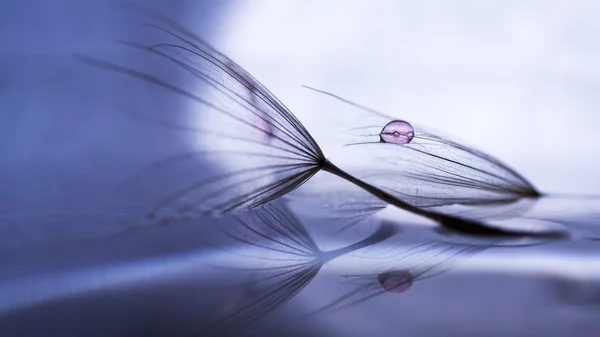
(266, 168)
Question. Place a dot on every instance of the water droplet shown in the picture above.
(397, 132)
(396, 281)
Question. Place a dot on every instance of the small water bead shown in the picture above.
(397, 132)
(396, 281)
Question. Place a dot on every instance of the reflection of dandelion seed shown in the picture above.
(423, 261)
(267, 169)
(291, 260)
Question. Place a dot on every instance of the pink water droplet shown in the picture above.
(397, 281)
(397, 132)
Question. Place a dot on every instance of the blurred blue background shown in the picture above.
(519, 80)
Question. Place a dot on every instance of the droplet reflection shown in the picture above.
(397, 132)
(395, 281)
